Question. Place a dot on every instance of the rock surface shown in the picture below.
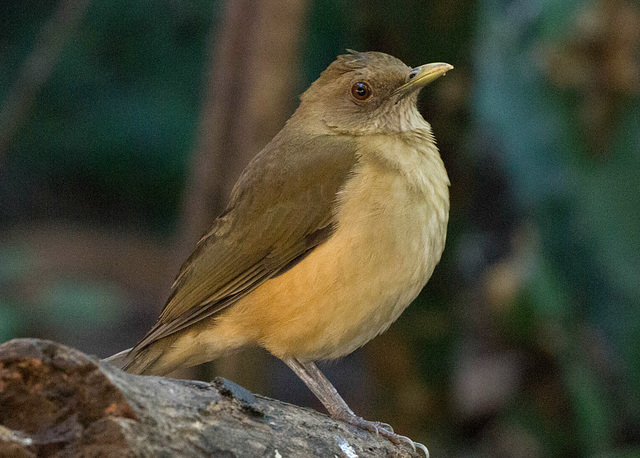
(57, 401)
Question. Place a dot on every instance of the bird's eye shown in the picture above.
(361, 90)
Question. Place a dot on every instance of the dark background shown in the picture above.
(123, 126)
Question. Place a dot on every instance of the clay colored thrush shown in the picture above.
(331, 231)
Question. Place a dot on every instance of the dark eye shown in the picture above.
(361, 90)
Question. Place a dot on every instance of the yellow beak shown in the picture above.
(421, 76)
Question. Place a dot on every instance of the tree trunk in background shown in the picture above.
(250, 94)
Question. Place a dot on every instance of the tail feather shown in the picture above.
(146, 361)
(163, 356)
(118, 359)
(151, 360)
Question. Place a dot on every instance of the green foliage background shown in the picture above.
(537, 188)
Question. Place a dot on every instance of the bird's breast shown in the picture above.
(391, 229)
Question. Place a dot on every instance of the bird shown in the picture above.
(330, 233)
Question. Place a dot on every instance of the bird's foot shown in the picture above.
(382, 425)
(382, 429)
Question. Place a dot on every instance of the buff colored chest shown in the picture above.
(391, 232)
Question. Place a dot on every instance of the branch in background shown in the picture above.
(38, 67)
(250, 94)
(253, 68)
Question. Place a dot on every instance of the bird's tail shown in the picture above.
(118, 359)
(154, 359)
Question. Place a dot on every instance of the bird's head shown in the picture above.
(363, 93)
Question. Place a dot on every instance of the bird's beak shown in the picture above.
(421, 76)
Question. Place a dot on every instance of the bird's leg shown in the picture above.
(338, 408)
(321, 387)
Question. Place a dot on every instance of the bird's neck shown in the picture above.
(412, 154)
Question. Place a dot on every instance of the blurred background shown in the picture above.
(123, 126)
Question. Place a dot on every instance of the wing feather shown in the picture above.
(282, 207)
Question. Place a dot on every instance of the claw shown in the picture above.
(414, 445)
(407, 441)
(382, 425)
(410, 443)
(423, 449)
(384, 430)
